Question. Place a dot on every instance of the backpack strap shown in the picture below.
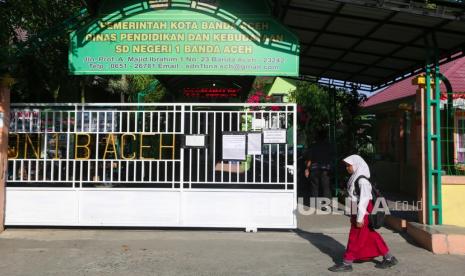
(357, 187)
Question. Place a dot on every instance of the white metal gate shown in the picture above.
(151, 165)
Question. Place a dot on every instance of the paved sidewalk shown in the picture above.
(307, 251)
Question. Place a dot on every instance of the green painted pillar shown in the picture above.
(438, 171)
(433, 145)
(429, 176)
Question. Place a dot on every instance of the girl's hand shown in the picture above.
(359, 224)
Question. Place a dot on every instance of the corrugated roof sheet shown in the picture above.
(454, 71)
(369, 42)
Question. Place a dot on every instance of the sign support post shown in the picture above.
(5, 83)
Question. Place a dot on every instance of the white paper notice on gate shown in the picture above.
(258, 123)
(274, 136)
(254, 143)
(196, 141)
(234, 146)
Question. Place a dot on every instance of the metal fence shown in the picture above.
(141, 146)
(453, 133)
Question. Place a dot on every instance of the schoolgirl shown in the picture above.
(364, 242)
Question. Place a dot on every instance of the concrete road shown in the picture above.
(307, 251)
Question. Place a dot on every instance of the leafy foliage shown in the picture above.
(33, 51)
(134, 85)
(315, 109)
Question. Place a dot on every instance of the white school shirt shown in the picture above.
(365, 197)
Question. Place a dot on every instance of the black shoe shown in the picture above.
(387, 263)
(341, 268)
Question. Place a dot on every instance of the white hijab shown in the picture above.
(360, 168)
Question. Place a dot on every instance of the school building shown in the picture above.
(399, 142)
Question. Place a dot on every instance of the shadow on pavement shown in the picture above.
(324, 243)
(407, 238)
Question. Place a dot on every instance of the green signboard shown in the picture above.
(183, 38)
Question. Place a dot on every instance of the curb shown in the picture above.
(397, 224)
(429, 237)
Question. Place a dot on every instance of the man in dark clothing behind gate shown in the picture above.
(318, 159)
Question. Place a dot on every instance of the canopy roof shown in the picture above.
(454, 71)
(373, 43)
(369, 43)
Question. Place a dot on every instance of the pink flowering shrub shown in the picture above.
(260, 97)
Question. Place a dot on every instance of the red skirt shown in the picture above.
(364, 243)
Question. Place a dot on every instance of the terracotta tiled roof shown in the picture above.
(454, 71)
